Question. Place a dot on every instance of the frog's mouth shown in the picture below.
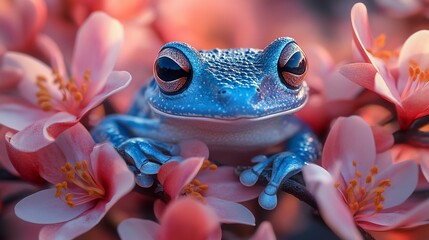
(225, 118)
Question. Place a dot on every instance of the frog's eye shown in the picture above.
(292, 65)
(172, 71)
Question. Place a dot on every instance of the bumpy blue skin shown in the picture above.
(235, 103)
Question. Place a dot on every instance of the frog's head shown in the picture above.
(229, 84)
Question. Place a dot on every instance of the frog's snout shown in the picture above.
(240, 96)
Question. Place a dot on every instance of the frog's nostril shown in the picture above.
(258, 89)
(223, 92)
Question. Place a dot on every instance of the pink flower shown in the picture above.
(404, 152)
(21, 21)
(331, 94)
(51, 102)
(136, 17)
(405, 86)
(9, 77)
(4, 158)
(383, 136)
(360, 186)
(88, 180)
(176, 223)
(265, 232)
(218, 187)
(368, 48)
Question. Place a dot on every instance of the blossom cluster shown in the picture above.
(64, 65)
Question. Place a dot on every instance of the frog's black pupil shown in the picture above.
(168, 70)
(296, 64)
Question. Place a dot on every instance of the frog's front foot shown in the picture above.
(144, 157)
(283, 165)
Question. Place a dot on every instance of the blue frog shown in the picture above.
(240, 102)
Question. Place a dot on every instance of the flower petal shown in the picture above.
(5, 161)
(182, 175)
(231, 212)
(77, 226)
(367, 76)
(424, 166)
(193, 148)
(265, 232)
(350, 139)
(177, 223)
(332, 207)
(403, 179)
(115, 82)
(159, 208)
(51, 51)
(137, 229)
(42, 132)
(225, 184)
(363, 40)
(10, 77)
(417, 215)
(31, 68)
(415, 48)
(97, 48)
(414, 106)
(383, 138)
(362, 35)
(106, 162)
(44, 208)
(75, 143)
(20, 115)
(34, 15)
(166, 170)
(25, 164)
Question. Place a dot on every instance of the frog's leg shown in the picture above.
(142, 154)
(301, 149)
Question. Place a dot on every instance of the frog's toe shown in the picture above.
(259, 158)
(268, 198)
(284, 166)
(150, 168)
(144, 180)
(139, 152)
(250, 176)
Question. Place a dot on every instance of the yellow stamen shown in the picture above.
(79, 177)
(195, 188)
(374, 170)
(358, 174)
(70, 92)
(363, 195)
(380, 41)
(46, 106)
(213, 167)
(418, 79)
(384, 183)
(196, 182)
(87, 76)
(377, 49)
